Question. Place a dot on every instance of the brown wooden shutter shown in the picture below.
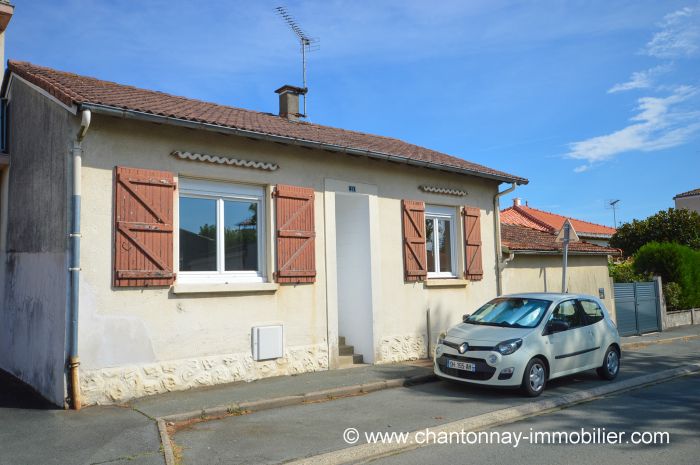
(414, 253)
(472, 244)
(296, 235)
(143, 227)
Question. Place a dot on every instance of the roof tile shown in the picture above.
(72, 89)
(522, 238)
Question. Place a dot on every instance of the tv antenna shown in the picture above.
(613, 205)
(307, 44)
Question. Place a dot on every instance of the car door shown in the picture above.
(596, 331)
(567, 346)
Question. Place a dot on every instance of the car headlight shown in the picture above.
(441, 338)
(509, 346)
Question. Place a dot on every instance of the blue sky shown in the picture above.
(591, 101)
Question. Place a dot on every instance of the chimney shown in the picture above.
(6, 11)
(289, 101)
(516, 202)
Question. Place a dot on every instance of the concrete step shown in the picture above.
(341, 340)
(357, 359)
(347, 361)
(346, 350)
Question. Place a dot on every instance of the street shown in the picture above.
(279, 435)
(672, 407)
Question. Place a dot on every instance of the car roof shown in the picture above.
(553, 296)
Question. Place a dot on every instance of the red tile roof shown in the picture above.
(521, 238)
(692, 193)
(73, 89)
(547, 221)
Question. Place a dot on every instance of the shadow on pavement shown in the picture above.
(15, 394)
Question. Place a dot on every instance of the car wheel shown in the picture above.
(611, 364)
(534, 378)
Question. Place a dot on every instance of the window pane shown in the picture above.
(429, 244)
(197, 234)
(593, 311)
(241, 235)
(566, 311)
(445, 241)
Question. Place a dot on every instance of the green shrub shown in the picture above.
(673, 295)
(672, 225)
(675, 263)
(624, 273)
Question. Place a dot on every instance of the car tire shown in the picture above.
(534, 377)
(611, 364)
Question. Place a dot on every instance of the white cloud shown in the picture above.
(660, 124)
(679, 35)
(641, 79)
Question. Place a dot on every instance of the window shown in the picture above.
(568, 312)
(439, 241)
(592, 310)
(221, 232)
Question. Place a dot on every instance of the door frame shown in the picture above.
(333, 186)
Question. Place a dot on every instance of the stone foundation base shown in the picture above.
(119, 384)
(402, 348)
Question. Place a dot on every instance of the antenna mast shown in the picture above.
(613, 205)
(307, 44)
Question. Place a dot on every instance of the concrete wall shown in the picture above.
(142, 341)
(542, 273)
(33, 264)
(689, 203)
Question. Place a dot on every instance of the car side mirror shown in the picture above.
(465, 317)
(556, 326)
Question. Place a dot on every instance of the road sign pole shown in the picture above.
(567, 230)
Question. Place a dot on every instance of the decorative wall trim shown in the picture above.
(443, 190)
(258, 165)
(119, 384)
(403, 347)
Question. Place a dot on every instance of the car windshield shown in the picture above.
(515, 312)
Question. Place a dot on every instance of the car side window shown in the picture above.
(568, 312)
(592, 310)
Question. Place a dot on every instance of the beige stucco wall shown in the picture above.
(142, 341)
(542, 273)
(689, 203)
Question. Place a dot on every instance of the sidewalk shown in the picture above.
(128, 433)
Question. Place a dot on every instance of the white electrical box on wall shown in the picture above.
(268, 342)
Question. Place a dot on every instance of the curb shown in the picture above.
(364, 452)
(277, 402)
(670, 340)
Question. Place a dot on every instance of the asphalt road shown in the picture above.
(672, 407)
(301, 431)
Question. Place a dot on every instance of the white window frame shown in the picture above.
(434, 212)
(222, 191)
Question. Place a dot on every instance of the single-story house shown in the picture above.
(689, 200)
(535, 218)
(533, 261)
(152, 243)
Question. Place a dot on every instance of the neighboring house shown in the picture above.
(533, 218)
(689, 200)
(533, 262)
(188, 243)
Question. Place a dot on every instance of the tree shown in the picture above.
(673, 225)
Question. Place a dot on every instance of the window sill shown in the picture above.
(446, 282)
(221, 288)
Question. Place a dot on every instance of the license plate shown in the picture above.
(457, 365)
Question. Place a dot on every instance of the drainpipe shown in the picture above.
(497, 229)
(74, 260)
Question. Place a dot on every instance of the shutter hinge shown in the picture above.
(75, 269)
(75, 235)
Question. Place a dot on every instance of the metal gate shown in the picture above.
(637, 307)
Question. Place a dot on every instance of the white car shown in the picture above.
(527, 339)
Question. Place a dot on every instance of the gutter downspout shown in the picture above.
(74, 260)
(497, 227)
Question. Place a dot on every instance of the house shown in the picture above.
(534, 218)
(689, 200)
(533, 262)
(153, 243)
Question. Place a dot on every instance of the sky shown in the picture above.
(590, 100)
